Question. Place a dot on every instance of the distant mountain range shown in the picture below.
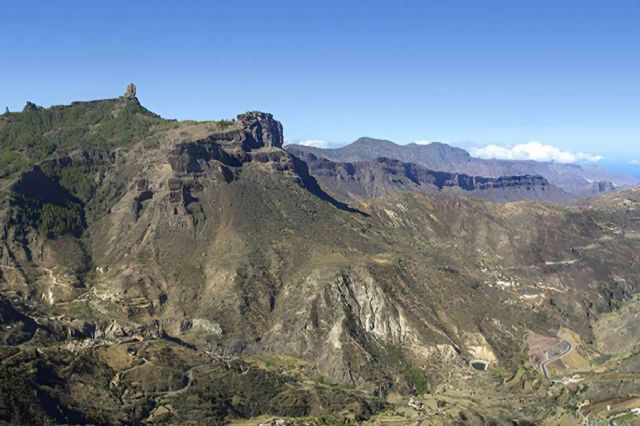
(573, 178)
(360, 180)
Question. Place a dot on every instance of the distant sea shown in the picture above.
(623, 166)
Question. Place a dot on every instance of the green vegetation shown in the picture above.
(417, 378)
(35, 134)
(414, 376)
(77, 182)
(74, 180)
(501, 373)
(58, 220)
(10, 162)
(223, 124)
(17, 403)
(601, 359)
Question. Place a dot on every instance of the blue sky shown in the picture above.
(565, 73)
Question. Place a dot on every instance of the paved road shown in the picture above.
(568, 347)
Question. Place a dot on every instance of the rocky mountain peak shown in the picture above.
(261, 130)
(130, 93)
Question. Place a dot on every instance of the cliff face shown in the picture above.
(261, 130)
(365, 179)
(601, 187)
(234, 146)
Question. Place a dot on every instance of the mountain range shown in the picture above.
(572, 178)
(370, 179)
(156, 271)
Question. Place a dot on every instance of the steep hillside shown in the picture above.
(200, 273)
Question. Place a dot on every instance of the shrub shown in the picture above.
(77, 182)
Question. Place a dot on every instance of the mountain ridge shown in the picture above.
(362, 179)
(442, 157)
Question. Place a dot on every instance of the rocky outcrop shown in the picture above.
(182, 191)
(130, 93)
(192, 157)
(231, 147)
(602, 187)
(94, 162)
(261, 130)
(114, 330)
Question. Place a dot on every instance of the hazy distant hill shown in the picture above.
(442, 157)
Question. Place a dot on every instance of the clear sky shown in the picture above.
(473, 73)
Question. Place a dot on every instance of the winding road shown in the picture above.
(568, 347)
(189, 375)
